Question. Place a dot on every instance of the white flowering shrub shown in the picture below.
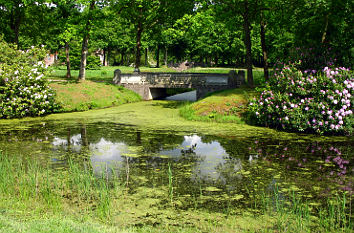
(23, 89)
(310, 101)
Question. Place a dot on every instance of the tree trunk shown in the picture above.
(248, 44)
(166, 56)
(15, 23)
(108, 55)
(138, 47)
(264, 50)
(158, 56)
(84, 49)
(104, 63)
(146, 57)
(325, 30)
(122, 58)
(67, 55)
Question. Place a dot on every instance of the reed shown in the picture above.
(170, 182)
(293, 213)
(29, 189)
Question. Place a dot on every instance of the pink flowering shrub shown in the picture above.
(23, 89)
(310, 101)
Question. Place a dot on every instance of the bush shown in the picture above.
(308, 101)
(23, 89)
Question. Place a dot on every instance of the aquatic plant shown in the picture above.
(310, 101)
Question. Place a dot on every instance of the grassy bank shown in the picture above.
(85, 95)
(223, 106)
(36, 198)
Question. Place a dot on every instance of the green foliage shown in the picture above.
(93, 62)
(23, 89)
(308, 101)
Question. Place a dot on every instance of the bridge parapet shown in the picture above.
(153, 85)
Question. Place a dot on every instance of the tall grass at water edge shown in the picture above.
(28, 190)
(293, 213)
(29, 185)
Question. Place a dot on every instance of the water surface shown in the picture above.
(217, 170)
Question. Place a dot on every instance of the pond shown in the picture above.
(207, 171)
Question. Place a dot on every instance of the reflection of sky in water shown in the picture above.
(107, 155)
(212, 156)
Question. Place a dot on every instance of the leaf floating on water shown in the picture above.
(131, 155)
(238, 197)
(294, 188)
(314, 204)
(212, 189)
(245, 173)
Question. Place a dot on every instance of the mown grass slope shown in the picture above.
(85, 95)
(223, 106)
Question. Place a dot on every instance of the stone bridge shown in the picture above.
(153, 85)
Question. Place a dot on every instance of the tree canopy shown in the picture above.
(235, 33)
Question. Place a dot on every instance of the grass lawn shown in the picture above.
(85, 95)
(223, 106)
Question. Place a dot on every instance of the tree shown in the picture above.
(242, 8)
(148, 14)
(64, 29)
(85, 39)
(18, 16)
